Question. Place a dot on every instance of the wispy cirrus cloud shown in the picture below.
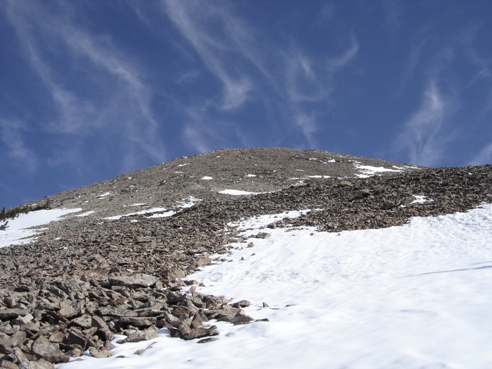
(483, 157)
(310, 86)
(423, 137)
(334, 64)
(12, 135)
(115, 78)
(393, 14)
(281, 76)
(216, 35)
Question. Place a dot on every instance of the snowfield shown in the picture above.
(410, 297)
(18, 230)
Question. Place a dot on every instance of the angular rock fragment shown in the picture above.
(144, 335)
(133, 281)
(8, 314)
(47, 350)
(241, 304)
(84, 321)
(101, 353)
(102, 328)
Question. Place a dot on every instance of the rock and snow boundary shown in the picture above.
(412, 296)
(74, 287)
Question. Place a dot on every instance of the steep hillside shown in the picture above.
(117, 264)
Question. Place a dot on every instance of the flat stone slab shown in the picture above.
(133, 281)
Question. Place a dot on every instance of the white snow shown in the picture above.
(87, 213)
(160, 212)
(318, 176)
(408, 297)
(207, 178)
(238, 192)
(103, 195)
(18, 229)
(369, 171)
(188, 202)
(251, 175)
(420, 199)
(152, 210)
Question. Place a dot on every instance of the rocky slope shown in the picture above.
(88, 278)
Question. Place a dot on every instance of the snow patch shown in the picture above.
(420, 199)
(85, 214)
(18, 230)
(369, 171)
(412, 296)
(238, 192)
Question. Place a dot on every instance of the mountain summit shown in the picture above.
(117, 262)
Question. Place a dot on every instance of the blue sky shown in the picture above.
(92, 89)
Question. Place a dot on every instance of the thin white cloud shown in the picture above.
(18, 151)
(423, 138)
(191, 17)
(302, 82)
(308, 125)
(196, 139)
(309, 86)
(110, 72)
(393, 13)
(336, 63)
(484, 156)
(229, 47)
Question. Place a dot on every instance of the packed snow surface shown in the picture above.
(408, 297)
(159, 212)
(237, 192)
(18, 232)
(369, 171)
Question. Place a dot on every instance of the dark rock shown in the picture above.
(207, 340)
(241, 318)
(6, 346)
(45, 349)
(241, 304)
(8, 364)
(133, 281)
(84, 321)
(100, 353)
(102, 328)
(75, 337)
(57, 337)
(8, 314)
(139, 322)
(137, 336)
(120, 310)
(70, 309)
(185, 332)
(40, 364)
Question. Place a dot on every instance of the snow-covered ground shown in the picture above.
(369, 171)
(410, 297)
(159, 212)
(237, 192)
(18, 230)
